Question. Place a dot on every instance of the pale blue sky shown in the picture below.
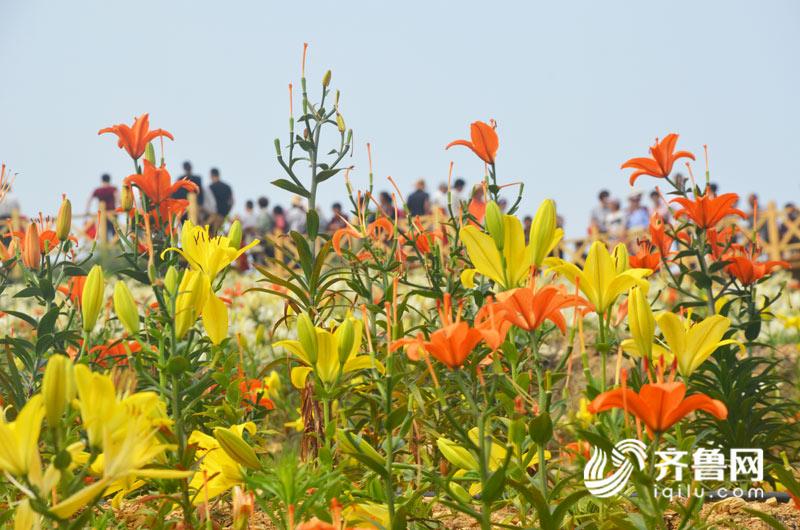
(576, 88)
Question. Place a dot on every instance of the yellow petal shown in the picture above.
(215, 319)
(468, 278)
(299, 375)
(483, 253)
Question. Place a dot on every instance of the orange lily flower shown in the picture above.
(747, 270)
(658, 405)
(381, 228)
(451, 344)
(659, 236)
(492, 323)
(156, 183)
(528, 309)
(663, 158)
(647, 257)
(113, 353)
(33, 244)
(134, 139)
(484, 141)
(708, 211)
(721, 241)
(254, 392)
(74, 289)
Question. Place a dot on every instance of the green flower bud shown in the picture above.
(326, 79)
(171, 280)
(58, 388)
(92, 297)
(457, 455)
(125, 307)
(236, 448)
(64, 220)
(150, 153)
(495, 224)
(346, 337)
(235, 235)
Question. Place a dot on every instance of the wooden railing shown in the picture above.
(778, 232)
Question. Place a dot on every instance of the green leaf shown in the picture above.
(291, 187)
(324, 175)
(770, 520)
(494, 486)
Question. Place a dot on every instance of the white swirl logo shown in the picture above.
(594, 475)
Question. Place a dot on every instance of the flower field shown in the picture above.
(444, 372)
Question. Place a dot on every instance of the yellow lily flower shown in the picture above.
(599, 280)
(328, 355)
(509, 263)
(693, 343)
(642, 324)
(19, 439)
(620, 257)
(218, 472)
(209, 255)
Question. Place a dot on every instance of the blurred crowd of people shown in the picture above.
(612, 218)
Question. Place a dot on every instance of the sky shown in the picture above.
(576, 87)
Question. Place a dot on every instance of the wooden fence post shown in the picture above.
(193, 208)
(773, 234)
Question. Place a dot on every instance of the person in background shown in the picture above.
(296, 217)
(459, 194)
(791, 214)
(418, 202)
(615, 221)
(280, 224)
(713, 189)
(106, 194)
(599, 214)
(477, 205)
(680, 181)
(223, 194)
(338, 218)
(526, 227)
(388, 207)
(636, 215)
(264, 221)
(659, 206)
(188, 175)
(440, 198)
(249, 220)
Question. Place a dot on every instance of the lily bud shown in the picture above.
(236, 448)
(92, 297)
(152, 272)
(150, 153)
(171, 280)
(340, 123)
(641, 321)
(64, 220)
(346, 337)
(126, 198)
(260, 330)
(326, 79)
(355, 445)
(58, 388)
(235, 234)
(544, 234)
(620, 257)
(191, 295)
(307, 335)
(457, 455)
(273, 382)
(125, 307)
(31, 248)
(495, 224)
(243, 508)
